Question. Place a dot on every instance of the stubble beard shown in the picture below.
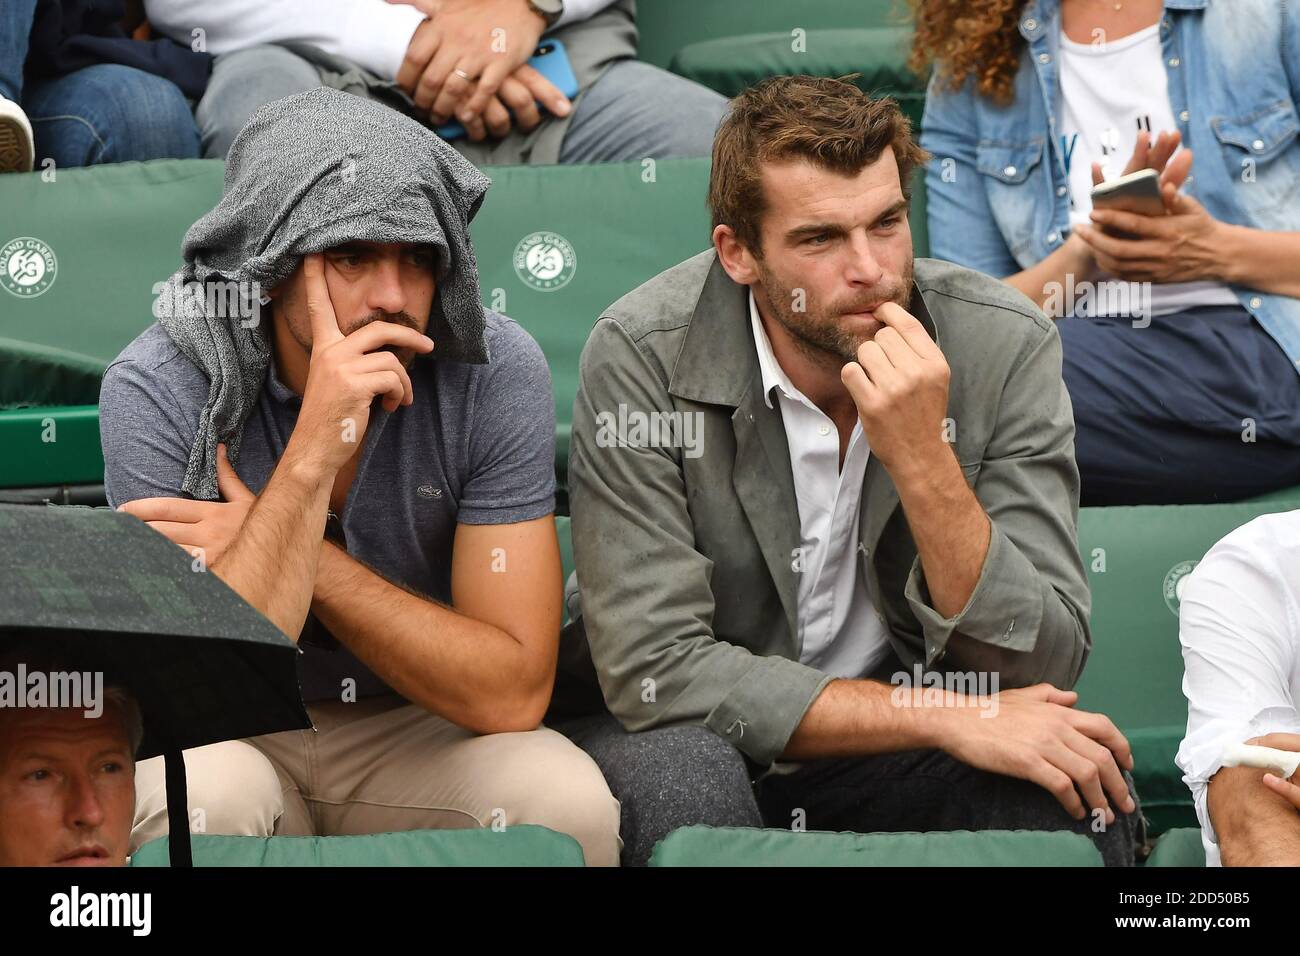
(817, 332)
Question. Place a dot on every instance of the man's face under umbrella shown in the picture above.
(67, 787)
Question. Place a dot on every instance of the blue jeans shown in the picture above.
(633, 111)
(106, 113)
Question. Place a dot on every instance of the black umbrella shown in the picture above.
(203, 664)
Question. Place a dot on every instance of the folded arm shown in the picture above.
(488, 663)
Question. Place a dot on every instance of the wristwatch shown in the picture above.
(550, 10)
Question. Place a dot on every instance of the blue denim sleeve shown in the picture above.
(962, 228)
(1291, 47)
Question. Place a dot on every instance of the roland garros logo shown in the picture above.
(545, 261)
(1174, 584)
(27, 267)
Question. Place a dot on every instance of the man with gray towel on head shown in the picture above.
(326, 418)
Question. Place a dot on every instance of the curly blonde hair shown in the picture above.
(969, 38)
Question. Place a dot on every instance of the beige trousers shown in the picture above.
(381, 765)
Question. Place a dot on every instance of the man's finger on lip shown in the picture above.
(891, 313)
(907, 325)
(371, 336)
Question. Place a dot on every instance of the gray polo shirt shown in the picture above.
(476, 447)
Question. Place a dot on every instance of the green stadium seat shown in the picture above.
(1179, 847)
(730, 64)
(735, 846)
(666, 26)
(523, 845)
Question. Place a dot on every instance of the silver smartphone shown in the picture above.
(1137, 192)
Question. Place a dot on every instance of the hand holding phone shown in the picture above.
(1155, 172)
(1137, 192)
(548, 67)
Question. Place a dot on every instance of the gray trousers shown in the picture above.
(633, 111)
(681, 776)
(689, 775)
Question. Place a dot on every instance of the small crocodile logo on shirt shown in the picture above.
(428, 491)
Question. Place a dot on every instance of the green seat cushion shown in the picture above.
(1289, 497)
(522, 845)
(50, 446)
(666, 26)
(736, 846)
(879, 55)
(115, 231)
(1180, 847)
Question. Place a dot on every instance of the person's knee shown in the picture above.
(581, 805)
(561, 788)
(637, 111)
(242, 82)
(233, 790)
(681, 776)
(140, 116)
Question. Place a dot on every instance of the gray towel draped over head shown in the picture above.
(307, 173)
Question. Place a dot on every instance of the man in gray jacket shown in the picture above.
(805, 468)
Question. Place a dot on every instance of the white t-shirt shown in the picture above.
(840, 632)
(1239, 624)
(1109, 91)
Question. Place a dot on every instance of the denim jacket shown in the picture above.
(997, 192)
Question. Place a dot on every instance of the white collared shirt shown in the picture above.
(1239, 624)
(840, 632)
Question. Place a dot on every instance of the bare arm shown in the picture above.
(1033, 733)
(272, 562)
(851, 718)
(264, 548)
(1071, 258)
(1255, 825)
(488, 664)
(1267, 261)
(948, 524)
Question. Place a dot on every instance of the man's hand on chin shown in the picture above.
(899, 384)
